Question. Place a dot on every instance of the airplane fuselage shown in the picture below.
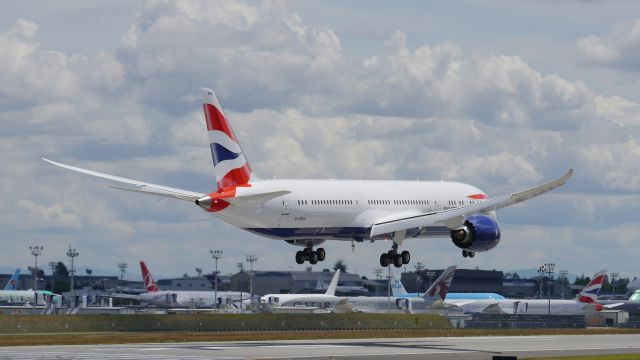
(517, 306)
(344, 209)
(193, 299)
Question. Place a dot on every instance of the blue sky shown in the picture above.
(499, 94)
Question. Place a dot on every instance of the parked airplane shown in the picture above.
(433, 298)
(29, 297)
(398, 290)
(186, 299)
(324, 301)
(631, 305)
(308, 212)
(13, 281)
(584, 303)
(344, 289)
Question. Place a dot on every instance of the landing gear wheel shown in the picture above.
(313, 257)
(299, 257)
(471, 254)
(465, 253)
(397, 261)
(321, 254)
(406, 257)
(384, 260)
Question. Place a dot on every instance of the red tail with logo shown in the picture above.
(147, 279)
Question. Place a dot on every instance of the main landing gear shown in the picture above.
(467, 253)
(308, 254)
(392, 257)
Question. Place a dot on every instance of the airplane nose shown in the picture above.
(204, 201)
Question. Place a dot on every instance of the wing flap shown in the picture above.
(453, 217)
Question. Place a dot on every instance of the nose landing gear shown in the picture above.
(467, 253)
(308, 254)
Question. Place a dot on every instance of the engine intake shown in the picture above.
(479, 233)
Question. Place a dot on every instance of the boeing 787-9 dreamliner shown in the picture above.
(308, 212)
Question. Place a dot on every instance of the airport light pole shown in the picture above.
(419, 268)
(52, 266)
(431, 274)
(613, 276)
(563, 280)
(241, 268)
(541, 278)
(378, 273)
(35, 251)
(123, 269)
(216, 255)
(548, 268)
(72, 253)
(251, 259)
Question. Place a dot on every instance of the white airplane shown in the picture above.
(432, 299)
(184, 299)
(320, 285)
(583, 304)
(308, 212)
(323, 301)
(29, 297)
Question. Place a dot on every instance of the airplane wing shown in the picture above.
(121, 296)
(455, 217)
(140, 186)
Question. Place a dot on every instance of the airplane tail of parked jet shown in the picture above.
(589, 294)
(397, 289)
(229, 163)
(438, 290)
(147, 279)
(331, 290)
(13, 282)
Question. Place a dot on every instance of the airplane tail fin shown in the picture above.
(147, 279)
(13, 282)
(230, 166)
(440, 287)
(331, 290)
(397, 289)
(589, 293)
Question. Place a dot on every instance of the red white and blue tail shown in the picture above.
(230, 165)
(589, 293)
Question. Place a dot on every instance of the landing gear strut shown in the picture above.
(308, 254)
(392, 257)
(467, 253)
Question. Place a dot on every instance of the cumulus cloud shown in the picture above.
(302, 108)
(620, 49)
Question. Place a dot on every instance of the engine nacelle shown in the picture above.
(304, 243)
(479, 233)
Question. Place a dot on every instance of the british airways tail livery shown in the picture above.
(589, 294)
(13, 281)
(308, 212)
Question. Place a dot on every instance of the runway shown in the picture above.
(410, 348)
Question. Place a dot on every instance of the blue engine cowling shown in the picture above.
(479, 233)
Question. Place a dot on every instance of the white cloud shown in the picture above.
(620, 49)
(302, 108)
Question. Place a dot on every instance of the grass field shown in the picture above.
(79, 338)
(594, 357)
